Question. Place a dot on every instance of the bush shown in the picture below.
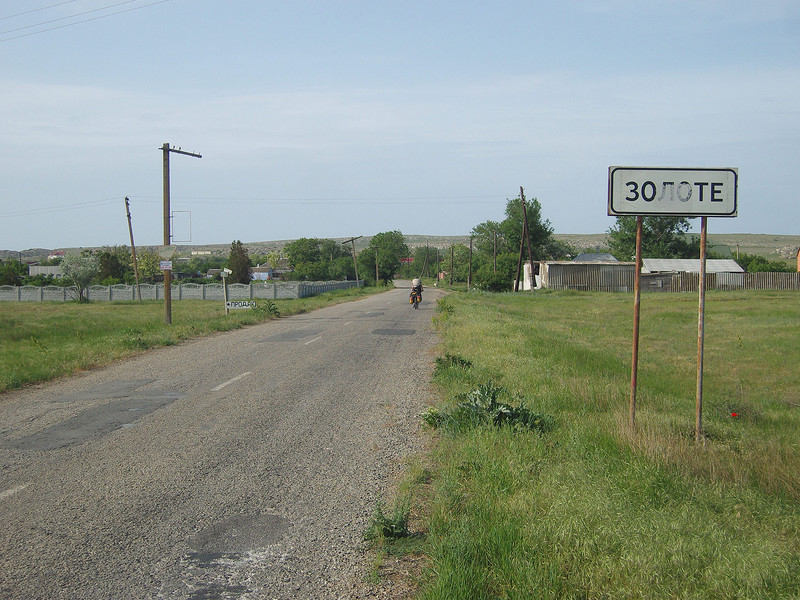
(383, 526)
(481, 406)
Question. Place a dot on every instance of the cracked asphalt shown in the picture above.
(244, 465)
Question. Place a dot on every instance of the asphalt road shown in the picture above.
(244, 465)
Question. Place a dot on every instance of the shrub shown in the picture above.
(481, 406)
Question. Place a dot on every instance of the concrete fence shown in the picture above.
(179, 291)
(620, 278)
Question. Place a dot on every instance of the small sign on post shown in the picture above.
(234, 304)
(670, 192)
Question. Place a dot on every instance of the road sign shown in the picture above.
(232, 304)
(165, 265)
(666, 191)
(166, 252)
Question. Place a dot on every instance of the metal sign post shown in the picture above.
(637, 295)
(666, 191)
(698, 417)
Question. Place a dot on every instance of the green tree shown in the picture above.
(500, 242)
(82, 270)
(753, 263)
(114, 264)
(384, 249)
(12, 272)
(316, 259)
(239, 263)
(149, 262)
(662, 237)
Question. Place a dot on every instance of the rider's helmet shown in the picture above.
(415, 282)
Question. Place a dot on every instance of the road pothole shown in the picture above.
(238, 534)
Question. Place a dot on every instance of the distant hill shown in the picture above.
(771, 246)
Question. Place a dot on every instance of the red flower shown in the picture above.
(734, 415)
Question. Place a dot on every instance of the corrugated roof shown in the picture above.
(595, 257)
(689, 265)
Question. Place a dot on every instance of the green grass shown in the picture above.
(40, 341)
(592, 509)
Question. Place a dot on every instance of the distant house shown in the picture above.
(34, 270)
(56, 254)
(266, 272)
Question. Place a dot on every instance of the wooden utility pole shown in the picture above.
(469, 277)
(167, 233)
(527, 236)
(355, 264)
(521, 248)
(451, 265)
(494, 253)
(133, 251)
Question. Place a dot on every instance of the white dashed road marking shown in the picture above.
(230, 381)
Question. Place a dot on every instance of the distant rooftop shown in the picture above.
(689, 265)
(595, 257)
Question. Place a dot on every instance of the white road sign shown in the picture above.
(667, 191)
(240, 304)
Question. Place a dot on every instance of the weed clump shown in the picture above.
(385, 526)
(452, 360)
(482, 406)
(267, 308)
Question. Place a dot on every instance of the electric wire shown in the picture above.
(27, 12)
(119, 12)
(227, 201)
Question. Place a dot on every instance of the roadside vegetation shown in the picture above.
(585, 507)
(40, 341)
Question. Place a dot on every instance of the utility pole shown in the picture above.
(494, 254)
(522, 242)
(133, 250)
(355, 264)
(469, 277)
(167, 233)
(527, 235)
(451, 264)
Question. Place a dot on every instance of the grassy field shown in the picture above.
(40, 341)
(591, 508)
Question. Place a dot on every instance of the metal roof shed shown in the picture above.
(689, 265)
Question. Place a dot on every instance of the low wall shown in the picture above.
(179, 291)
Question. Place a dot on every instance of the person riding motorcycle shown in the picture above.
(416, 289)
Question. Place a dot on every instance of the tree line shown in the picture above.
(490, 262)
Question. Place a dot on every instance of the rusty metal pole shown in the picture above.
(698, 423)
(637, 294)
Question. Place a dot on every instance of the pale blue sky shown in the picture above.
(343, 118)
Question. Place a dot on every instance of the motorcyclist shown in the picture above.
(416, 289)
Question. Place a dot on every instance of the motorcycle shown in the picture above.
(415, 298)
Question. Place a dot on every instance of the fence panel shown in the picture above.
(180, 291)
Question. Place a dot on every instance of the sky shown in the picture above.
(339, 118)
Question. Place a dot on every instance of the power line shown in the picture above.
(60, 208)
(119, 12)
(27, 12)
(333, 202)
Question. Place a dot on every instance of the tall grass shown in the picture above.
(593, 509)
(40, 341)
